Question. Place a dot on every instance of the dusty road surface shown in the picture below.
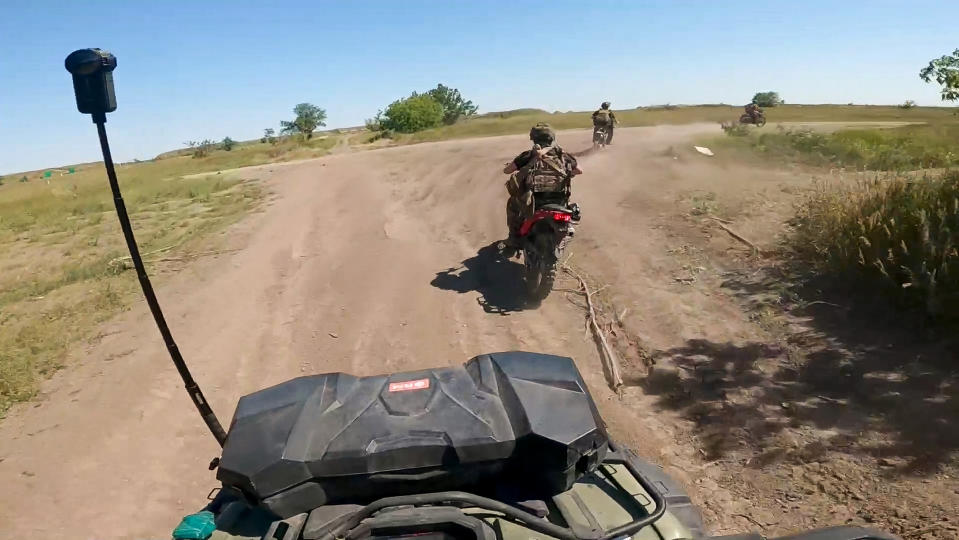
(385, 260)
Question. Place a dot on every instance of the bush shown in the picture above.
(735, 129)
(373, 124)
(24, 179)
(200, 149)
(897, 237)
(227, 144)
(767, 99)
(415, 113)
(908, 104)
(454, 106)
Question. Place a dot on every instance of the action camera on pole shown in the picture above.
(92, 71)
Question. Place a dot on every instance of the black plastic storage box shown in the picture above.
(503, 419)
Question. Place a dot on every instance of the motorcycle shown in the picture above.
(544, 237)
(759, 121)
(600, 136)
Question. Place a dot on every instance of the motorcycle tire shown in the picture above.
(540, 276)
(761, 121)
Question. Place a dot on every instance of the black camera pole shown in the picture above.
(93, 83)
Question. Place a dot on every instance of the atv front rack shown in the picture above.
(344, 529)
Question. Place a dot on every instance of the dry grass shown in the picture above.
(896, 236)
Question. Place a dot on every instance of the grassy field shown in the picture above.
(61, 253)
(520, 121)
(61, 250)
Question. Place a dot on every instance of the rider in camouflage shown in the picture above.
(753, 111)
(544, 156)
(604, 117)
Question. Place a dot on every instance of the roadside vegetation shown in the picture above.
(895, 235)
(890, 149)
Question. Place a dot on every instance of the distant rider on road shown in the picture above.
(753, 111)
(603, 117)
(543, 172)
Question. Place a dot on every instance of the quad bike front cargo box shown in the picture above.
(501, 419)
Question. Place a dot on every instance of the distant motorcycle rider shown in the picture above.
(541, 174)
(603, 117)
(753, 111)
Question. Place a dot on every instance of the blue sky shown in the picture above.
(208, 69)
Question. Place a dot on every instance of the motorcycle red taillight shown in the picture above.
(562, 217)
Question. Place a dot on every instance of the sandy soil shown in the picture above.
(385, 260)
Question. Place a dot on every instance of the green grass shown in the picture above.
(904, 148)
(59, 241)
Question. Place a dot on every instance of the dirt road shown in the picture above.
(367, 263)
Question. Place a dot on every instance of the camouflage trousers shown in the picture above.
(520, 205)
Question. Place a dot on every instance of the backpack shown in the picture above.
(601, 117)
(548, 174)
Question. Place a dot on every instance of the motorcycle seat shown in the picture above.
(555, 208)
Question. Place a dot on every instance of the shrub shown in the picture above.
(227, 144)
(374, 124)
(269, 136)
(200, 149)
(415, 113)
(767, 99)
(898, 237)
(454, 106)
(908, 104)
(735, 129)
(24, 178)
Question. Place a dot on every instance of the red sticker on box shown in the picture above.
(406, 386)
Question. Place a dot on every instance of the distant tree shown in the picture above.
(24, 178)
(1, 180)
(908, 104)
(415, 113)
(308, 118)
(269, 135)
(945, 71)
(227, 144)
(454, 106)
(767, 99)
(201, 149)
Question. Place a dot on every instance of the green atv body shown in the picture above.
(609, 497)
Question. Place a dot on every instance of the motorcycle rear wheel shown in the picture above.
(540, 276)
